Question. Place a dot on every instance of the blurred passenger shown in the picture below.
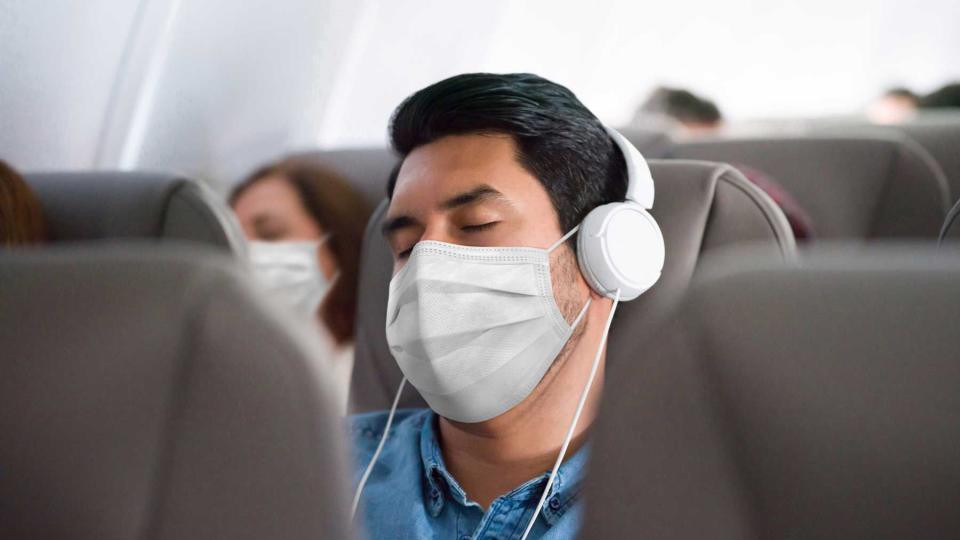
(946, 97)
(306, 225)
(21, 217)
(895, 106)
(692, 114)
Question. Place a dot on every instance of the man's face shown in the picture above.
(470, 190)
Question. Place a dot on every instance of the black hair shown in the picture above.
(681, 105)
(945, 97)
(901, 92)
(559, 141)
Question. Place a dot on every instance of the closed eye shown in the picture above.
(478, 228)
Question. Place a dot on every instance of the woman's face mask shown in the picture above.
(291, 271)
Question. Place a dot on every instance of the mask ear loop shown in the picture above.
(563, 238)
(566, 442)
(376, 454)
(576, 415)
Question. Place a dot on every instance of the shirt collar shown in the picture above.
(440, 483)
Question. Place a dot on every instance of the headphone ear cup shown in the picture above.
(620, 246)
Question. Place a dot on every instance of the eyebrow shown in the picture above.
(394, 224)
(260, 219)
(480, 193)
(266, 220)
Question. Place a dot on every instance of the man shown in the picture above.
(514, 163)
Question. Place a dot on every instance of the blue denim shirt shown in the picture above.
(410, 493)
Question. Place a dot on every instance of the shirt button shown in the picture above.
(554, 503)
(434, 493)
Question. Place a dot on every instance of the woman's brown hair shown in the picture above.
(21, 217)
(343, 213)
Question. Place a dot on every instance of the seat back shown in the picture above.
(366, 169)
(120, 205)
(938, 132)
(653, 143)
(700, 207)
(852, 187)
(942, 140)
(147, 392)
(950, 232)
(810, 400)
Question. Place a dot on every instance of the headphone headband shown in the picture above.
(639, 180)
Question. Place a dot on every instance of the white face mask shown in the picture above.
(475, 329)
(290, 271)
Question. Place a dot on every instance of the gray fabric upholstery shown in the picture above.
(699, 206)
(852, 187)
(808, 401)
(950, 232)
(119, 205)
(938, 134)
(148, 393)
(652, 143)
(367, 169)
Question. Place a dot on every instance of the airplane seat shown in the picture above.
(147, 392)
(699, 206)
(852, 187)
(938, 134)
(942, 140)
(950, 232)
(809, 400)
(367, 169)
(84, 206)
(651, 142)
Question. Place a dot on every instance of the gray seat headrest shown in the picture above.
(700, 207)
(942, 139)
(366, 169)
(852, 187)
(652, 143)
(149, 392)
(812, 400)
(937, 132)
(950, 232)
(133, 205)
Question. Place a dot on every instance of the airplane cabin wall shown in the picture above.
(207, 87)
(214, 87)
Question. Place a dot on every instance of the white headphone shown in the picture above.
(619, 245)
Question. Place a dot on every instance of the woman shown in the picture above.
(21, 218)
(306, 224)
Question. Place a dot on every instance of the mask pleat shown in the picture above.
(476, 323)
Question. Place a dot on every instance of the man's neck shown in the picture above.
(489, 459)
